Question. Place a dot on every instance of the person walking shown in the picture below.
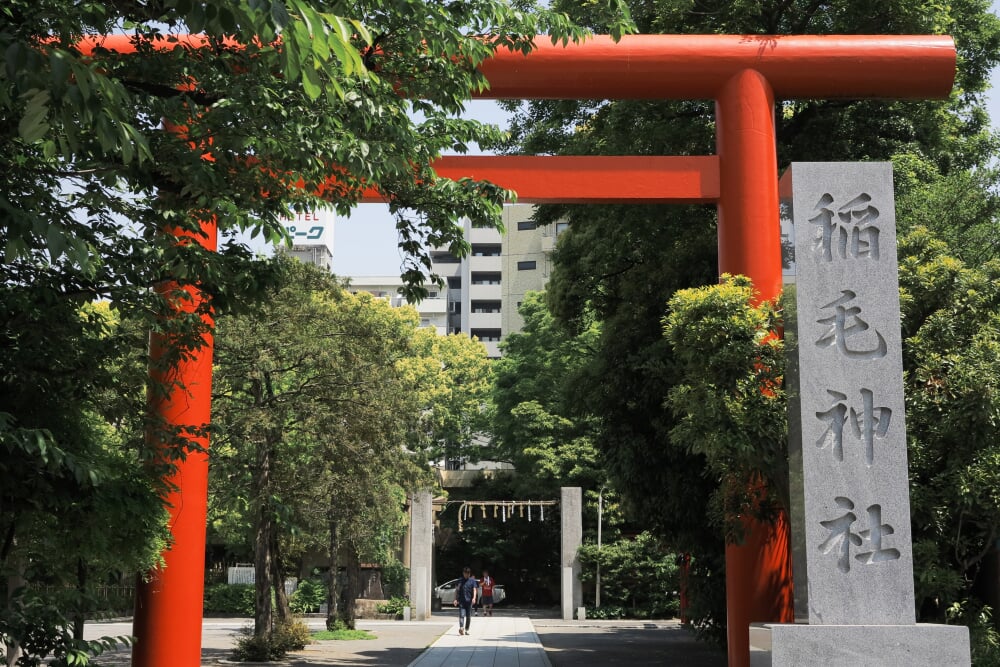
(465, 596)
(486, 599)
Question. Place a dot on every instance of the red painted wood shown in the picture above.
(649, 179)
(697, 66)
(168, 607)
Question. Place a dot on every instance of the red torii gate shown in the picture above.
(744, 75)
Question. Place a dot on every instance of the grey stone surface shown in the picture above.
(571, 513)
(850, 514)
(917, 645)
(421, 553)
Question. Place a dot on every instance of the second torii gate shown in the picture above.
(744, 75)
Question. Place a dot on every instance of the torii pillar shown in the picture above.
(744, 75)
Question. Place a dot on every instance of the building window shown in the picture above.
(561, 227)
(486, 278)
(485, 306)
(486, 335)
(526, 266)
(526, 225)
(444, 258)
(486, 250)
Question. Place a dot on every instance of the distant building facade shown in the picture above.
(433, 310)
(485, 288)
(312, 238)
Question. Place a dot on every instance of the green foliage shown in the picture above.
(983, 636)
(638, 575)
(343, 634)
(394, 606)
(274, 645)
(395, 576)
(307, 598)
(229, 599)
(44, 635)
(607, 612)
(76, 506)
(454, 376)
(951, 353)
(729, 400)
(535, 418)
(313, 399)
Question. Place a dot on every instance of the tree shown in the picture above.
(536, 423)
(311, 412)
(454, 375)
(76, 508)
(729, 398)
(951, 320)
(113, 161)
(621, 265)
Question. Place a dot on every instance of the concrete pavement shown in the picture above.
(494, 641)
(511, 638)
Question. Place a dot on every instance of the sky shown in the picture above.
(366, 243)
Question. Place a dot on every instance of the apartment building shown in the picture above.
(485, 288)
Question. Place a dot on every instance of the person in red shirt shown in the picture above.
(486, 584)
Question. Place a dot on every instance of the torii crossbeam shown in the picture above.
(744, 75)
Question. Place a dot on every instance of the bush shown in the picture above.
(638, 577)
(394, 578)
(308, 597)
(230, 599)
(46, 635)
(393, 606)
(606, 612)
(274, 645)
(983, 636)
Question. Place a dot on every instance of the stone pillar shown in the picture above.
(421, 553)
(571, 517)
(847, 435)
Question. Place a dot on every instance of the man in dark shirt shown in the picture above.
(465, 596)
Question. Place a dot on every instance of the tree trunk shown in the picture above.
(333, 590)
(263, 566)
(352, 589)
(81, 588)
(14, 582)
(282, 609)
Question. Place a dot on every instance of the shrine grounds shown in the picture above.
(588, 643)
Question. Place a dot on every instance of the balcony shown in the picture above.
(432, 307)
(482, 235)
(492, 263)
(484, 320)
(484, 292)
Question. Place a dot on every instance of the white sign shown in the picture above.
(311, 228)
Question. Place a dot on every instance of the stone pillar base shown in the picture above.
(919, 645)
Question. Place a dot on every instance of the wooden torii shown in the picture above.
(744, 75)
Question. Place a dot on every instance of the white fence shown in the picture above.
(244, 574)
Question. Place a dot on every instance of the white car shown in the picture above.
(446, 592)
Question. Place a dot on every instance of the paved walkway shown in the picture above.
(512, 638)
(494, 641)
